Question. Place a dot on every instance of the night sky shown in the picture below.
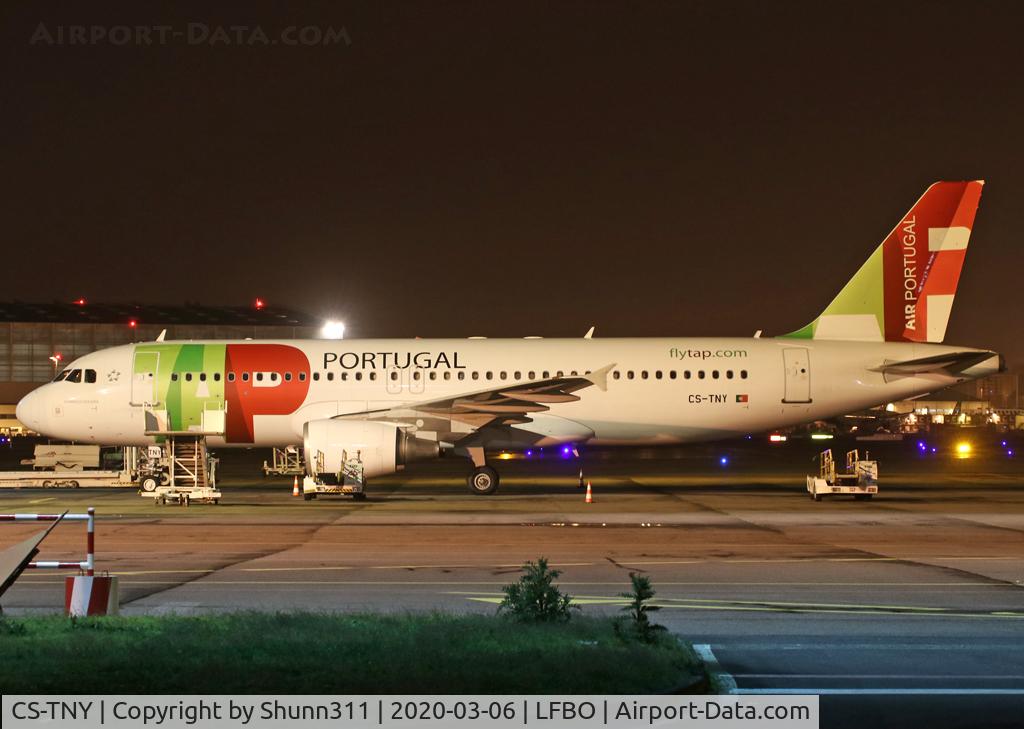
(510, 169)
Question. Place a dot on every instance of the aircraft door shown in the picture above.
(797, 364)
(145, 367)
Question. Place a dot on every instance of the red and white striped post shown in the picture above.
(84, 594)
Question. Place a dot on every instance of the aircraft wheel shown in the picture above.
(149, 484)
(483, 481)
(817, 497)
(361, 496)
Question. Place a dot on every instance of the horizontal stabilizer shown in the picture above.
(950, 364)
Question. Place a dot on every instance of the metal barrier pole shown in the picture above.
(90, 543)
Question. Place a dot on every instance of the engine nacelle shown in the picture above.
(383, 447)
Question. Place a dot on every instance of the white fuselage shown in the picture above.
(660, 390)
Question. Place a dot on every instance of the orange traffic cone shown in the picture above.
(295, 487)
(590, 495)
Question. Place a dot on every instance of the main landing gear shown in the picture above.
(484, 480)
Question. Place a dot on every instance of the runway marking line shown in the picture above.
(770, 606)
(717, 673)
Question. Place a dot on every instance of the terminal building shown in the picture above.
(37, 340)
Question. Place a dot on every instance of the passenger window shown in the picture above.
(475, 375)
(686, 375)
(700, 374)
(489, 375)
(643, 375)
(743, 374)
(462, 375)
(433, 375)
(90, 376)
(728, 374)
(302, 377)
(629, 375)
(416, 374)
(287, 376)
(616, 375)
(202, 377)
(231, 376)
(316, 377)
(359, 375)
(273, 377)
(259, 377)
(657, 375)
(559, 374)
(373, 375)
(547, 375)
(517, 375)
(188, 377)
(216, 376)
(532, 375)
(330, 376)
(245, 377)
(174, 377)
(447, 375)
(714, 373)
(394, 376)
(671, 374)
(502, 375)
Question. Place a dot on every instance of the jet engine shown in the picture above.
(383, 447)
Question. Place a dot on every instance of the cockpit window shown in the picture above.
(90, 375)
(74, 376)
(62, 376)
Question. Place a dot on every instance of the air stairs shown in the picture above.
(191, 475)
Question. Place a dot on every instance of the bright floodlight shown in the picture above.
(333, 330)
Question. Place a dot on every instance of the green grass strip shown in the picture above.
(294, 652)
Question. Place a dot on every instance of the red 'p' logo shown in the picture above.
(268, 379)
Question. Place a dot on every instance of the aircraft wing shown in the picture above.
(456, 417)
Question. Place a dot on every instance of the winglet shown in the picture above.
(163, 333)
(589, 334)
(600, 377)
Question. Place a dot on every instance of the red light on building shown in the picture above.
(133, 323)
(260, 303)
(79, 302)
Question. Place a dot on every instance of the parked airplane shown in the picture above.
(394, 401)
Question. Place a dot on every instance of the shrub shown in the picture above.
(535, 598)
(640, 609)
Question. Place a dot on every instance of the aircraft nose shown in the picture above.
(29, 411)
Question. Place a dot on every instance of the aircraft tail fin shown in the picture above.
(904, 291)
